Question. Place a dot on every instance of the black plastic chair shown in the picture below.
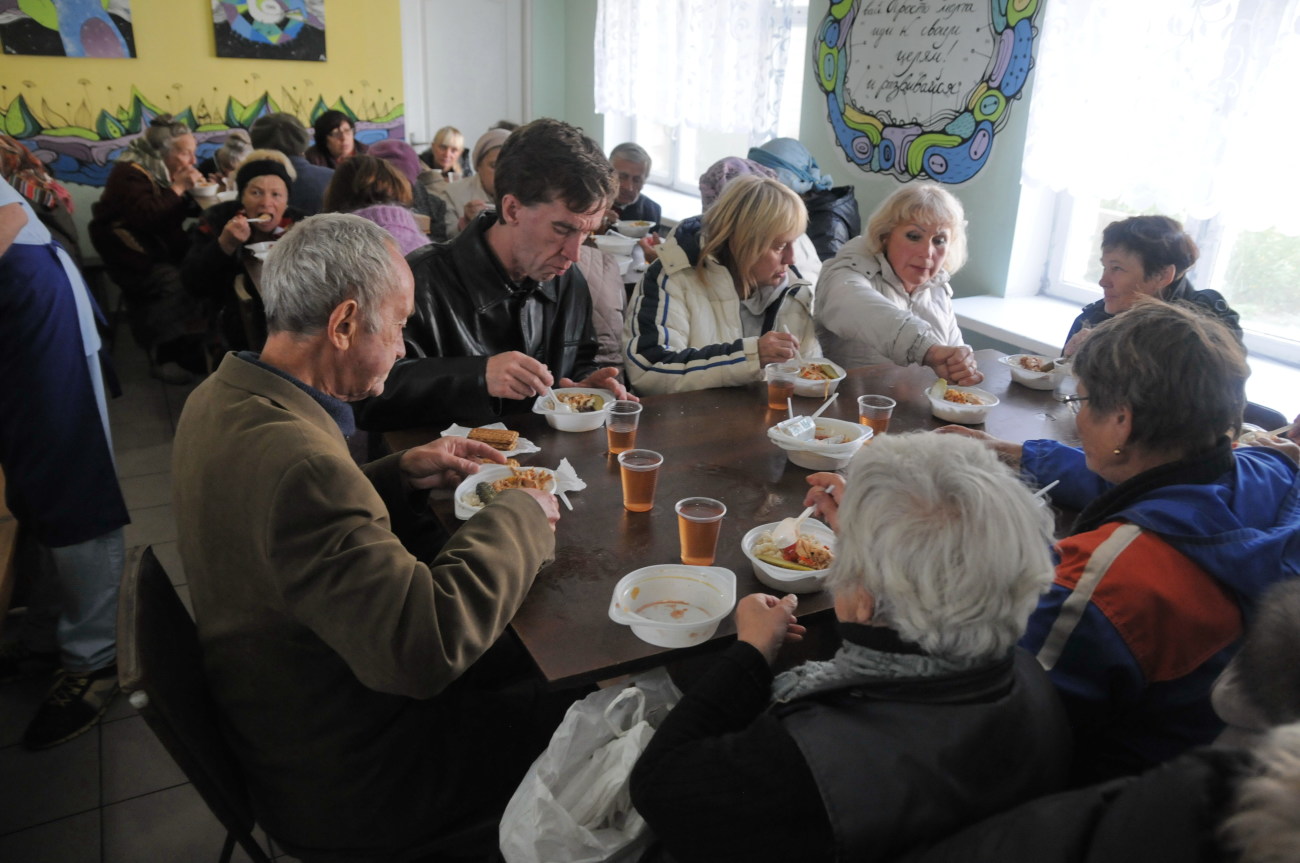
(159, 664)
(1264, 417)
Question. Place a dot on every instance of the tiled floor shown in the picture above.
(112, 795)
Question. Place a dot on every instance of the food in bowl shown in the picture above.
(582, 402)
(831, 444)
(568, 416)
(807, 553)
(480, 489)
(817, 378)
(964, 405)
(634, 228)
(786, 577)
(205, 190)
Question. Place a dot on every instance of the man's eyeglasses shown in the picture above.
(1075, 403)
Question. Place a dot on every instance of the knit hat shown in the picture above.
(794, 165)
(722, 172)
(490, 140)
(283, 132)
(400, 155)
(250, 171)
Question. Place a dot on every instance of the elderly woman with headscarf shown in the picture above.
(885, 298)
(137, 227)
(1178, 535)
(469, 196)
(721, 302)
(401, 156)
(1145, 256)
(832, 210)
(336, 141)
(260, 214)
(928, 717)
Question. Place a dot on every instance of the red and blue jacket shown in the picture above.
(1152, 592)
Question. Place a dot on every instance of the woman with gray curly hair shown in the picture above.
(943, 554)
(1178, 534)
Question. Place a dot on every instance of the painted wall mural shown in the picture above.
(67, 28)
(80, 144)
(270, 29)
(919, 88)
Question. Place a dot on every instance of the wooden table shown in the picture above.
(714, 444)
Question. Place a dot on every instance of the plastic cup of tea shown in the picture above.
(780, 384)
(699, 519)
(621, 422)
(875, 411)
(639, 469)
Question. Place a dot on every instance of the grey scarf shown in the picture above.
(854, 662)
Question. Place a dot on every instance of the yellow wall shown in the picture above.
(176, 67)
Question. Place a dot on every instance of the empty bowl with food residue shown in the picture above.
(633, 228)
(831, 445)
(672, 604)
(1034, 371)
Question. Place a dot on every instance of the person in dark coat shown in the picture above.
(927, 719)
(501, 313)
(286, 133)
(1146, 256)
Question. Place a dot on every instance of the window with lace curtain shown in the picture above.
(1179, 107)
(694, 81)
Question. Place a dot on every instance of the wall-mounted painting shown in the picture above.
(67, 28)
(270, 29)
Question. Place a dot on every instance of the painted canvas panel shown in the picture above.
(270, 29)
(67, 28)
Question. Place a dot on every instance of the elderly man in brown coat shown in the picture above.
(343, 665)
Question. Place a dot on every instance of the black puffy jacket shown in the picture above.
(833, 219)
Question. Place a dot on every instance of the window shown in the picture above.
(682, 150)
(1167, 107)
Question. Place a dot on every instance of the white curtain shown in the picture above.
(1180, 105)
(702, 63)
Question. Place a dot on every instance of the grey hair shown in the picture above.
(323, 261)
(1265, 824)
(952, 547)
(633, 153)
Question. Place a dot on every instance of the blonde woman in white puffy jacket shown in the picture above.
(724, 298)
(885, 297)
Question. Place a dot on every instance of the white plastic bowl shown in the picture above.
(818, 389)
(1034, 380)
(780, 578)
(672, 604)
(615, 245)
(260, 249)
(637, 228)
(486, 473)
(573, 421)
(815, 455)
(228, 196)
(964, 414)
(205, 190)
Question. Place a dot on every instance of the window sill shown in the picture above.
(1026, 321)
(676, 205)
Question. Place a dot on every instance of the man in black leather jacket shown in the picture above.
(501, 313)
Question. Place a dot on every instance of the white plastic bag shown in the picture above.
(574, 805)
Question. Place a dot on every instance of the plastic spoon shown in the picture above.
(798, 357)
(824, 406)
(786, 533)
(557, 406)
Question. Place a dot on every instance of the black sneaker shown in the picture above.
(73, 707)
(17, 662)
